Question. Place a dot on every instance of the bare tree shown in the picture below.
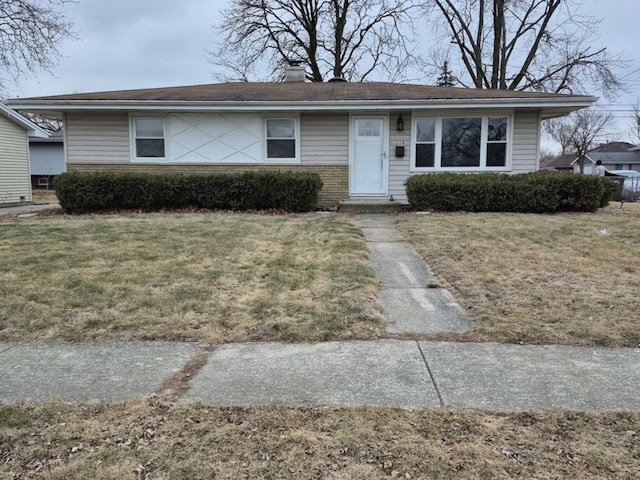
(46, 122)
(30, 32)
(560, 130)
(580, 130)
(540, 45)
(545, 155)
(333, 38)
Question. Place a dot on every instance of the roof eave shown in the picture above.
(549, 106)
(33, 130)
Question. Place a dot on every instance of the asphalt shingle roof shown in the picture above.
(609, 158)
(562, 161)
(612, 147)
(302, 91)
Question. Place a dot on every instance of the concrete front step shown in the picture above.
(370, 205)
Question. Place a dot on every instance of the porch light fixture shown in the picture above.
(400, 123)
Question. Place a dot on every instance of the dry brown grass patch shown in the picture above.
(200, 277)
(567, 279)
(162, 440)
(44, 196)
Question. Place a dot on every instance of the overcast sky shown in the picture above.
(127, 44)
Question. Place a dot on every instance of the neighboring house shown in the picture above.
(15, 185)
(561, 163)
(363, 139)
(614, 147)
(46, 158)
(614, 156)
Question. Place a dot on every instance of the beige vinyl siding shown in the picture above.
(399, 167)
(15, 182)
(526, 135)
(97, 138)
(104, 138)
(324, 139)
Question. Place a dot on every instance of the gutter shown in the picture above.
(571, 103)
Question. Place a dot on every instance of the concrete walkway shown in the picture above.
(410, 293)
(390, 372)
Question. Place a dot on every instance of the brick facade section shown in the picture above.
(335, 178)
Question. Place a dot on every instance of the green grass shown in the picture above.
(204, 277)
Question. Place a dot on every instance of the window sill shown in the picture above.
(149, 159)
(458, 169)
(288, 161)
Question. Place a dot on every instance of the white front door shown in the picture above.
(368, 169)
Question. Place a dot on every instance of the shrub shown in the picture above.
(537, 192)
(81, 192)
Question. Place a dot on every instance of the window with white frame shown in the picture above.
(497, 141)
(425, 142)
(149, 137)
(281, 138)
(460, 142)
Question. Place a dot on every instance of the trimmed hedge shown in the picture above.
(538, 192)
(81, 192)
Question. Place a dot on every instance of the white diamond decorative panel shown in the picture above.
(199, 137)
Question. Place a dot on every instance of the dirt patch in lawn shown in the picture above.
(211, 277)
(567, 279)
(162, 440)
(44, 196)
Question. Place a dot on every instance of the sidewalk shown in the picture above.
(402, 373)
(28, 210)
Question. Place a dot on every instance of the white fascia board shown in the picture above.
(571, 103)
(33, 130)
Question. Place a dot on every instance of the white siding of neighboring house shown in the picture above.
(97, 138)
(324, 139)
(15, 183)
(588, 168)
(46, 158)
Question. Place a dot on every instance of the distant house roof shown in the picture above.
(54, 137)
(614, 147)
(559, 162)
(32, 128)
(613, 158)
(307, 96)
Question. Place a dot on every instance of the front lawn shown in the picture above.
(160, 440)
(213, 277)
(564, 279)
(219, 277)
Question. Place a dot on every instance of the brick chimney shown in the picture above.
(294, 72)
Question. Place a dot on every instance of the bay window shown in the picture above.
(454, 143)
